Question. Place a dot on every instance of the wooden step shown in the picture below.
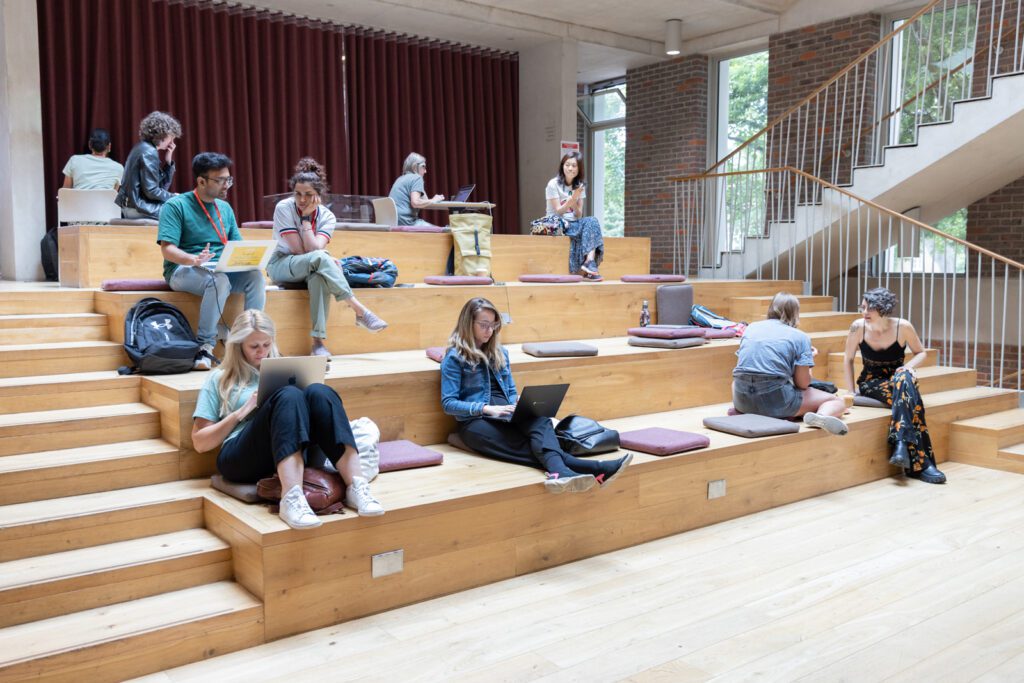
(754, 308)
(990, 441)
(826, 321)
(132, 638)
(47, 586)
(1012, 457)
(76, 427)
(36, 298)
(89, 469)
(836, 360)
(76, 390)
(50, 526)
(60, 358)
(48, 328)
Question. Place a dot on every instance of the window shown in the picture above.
(603, 111)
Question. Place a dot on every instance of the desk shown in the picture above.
(448, 206)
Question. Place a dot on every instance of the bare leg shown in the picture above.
(348, 465)
(356, 306)
(821, 402)
(289, 471)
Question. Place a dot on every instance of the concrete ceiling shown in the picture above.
(612, 35)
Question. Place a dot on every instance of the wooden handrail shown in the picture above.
(867, 202)
(842, 72)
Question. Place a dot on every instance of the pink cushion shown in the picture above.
(436, 353)
(457, 280)
(719, 334)
(666, 332)
(263, 225)
(550, 277)
(405, 455)
(135, 286)
(653, 278)
(416, 228)
(660, 441)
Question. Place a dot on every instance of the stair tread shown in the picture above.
(83, 505)
(95, 376)
(1007, 419)
(10, 320)
(99, 625)
(66, 457)
(1016, 449)
(70, 414)
(54, 346)
(111, 556)
(800, 297)
(825, 314)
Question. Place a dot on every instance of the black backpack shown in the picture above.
(158, 339)
(48, 255)
(368, 271)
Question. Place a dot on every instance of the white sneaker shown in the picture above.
(832, 425)
(359, 498)
(295, 510)
(370, 322)
(205, 360)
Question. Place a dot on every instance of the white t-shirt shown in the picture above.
(90, 172)
(287, 219)
(556, 190)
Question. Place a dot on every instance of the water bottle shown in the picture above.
(645, 315)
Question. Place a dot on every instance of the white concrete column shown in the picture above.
(22, 210)
(547, 115)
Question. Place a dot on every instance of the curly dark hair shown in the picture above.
(310, 171)
(157, 125)
(880, 300)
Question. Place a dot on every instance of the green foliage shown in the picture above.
(748, 113)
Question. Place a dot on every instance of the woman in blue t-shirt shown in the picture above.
(257, 442)
(773, 374)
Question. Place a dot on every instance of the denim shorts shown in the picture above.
(765, 395)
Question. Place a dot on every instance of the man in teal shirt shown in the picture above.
(194, 227)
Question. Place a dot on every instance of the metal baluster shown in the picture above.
(1020, 318)
(858, 120)
(947, 58)
(945, 280)
(952, 303)
(888, 250)
(992, 326)
(991, 35)
(931, 291)
(1002, 334)
(1018, 52)
(913, 253)
(675, 228)
(837, 131)
(967, 308)
(977, 311)
(999, 43)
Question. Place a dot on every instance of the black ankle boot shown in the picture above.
(929, 474)
(900, 455)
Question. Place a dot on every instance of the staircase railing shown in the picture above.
(965, 301)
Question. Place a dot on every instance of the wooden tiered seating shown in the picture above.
(995, 441)
(117, 558)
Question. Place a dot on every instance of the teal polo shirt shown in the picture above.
(184, 224)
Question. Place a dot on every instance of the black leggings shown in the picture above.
(291, 420)
(532, 443)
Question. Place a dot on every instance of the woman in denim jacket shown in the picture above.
(477, 389)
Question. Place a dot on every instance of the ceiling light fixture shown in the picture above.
(673, 36)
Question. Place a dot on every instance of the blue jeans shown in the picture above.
(214, 288)
(765, 395)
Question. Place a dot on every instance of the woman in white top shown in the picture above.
(565, 194)
(302, 228)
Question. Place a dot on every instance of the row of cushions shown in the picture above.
(653, 440)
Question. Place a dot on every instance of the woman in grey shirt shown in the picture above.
(408, 193)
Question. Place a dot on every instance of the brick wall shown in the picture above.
(666, 135)
(996, 222)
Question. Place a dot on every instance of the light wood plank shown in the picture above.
(75, 390)
(77, 427)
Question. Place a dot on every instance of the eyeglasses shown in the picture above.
(493, 327)
(226, 181)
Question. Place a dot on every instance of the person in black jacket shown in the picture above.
(149, 169)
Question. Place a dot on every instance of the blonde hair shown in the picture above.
(464, 342)
(785, 308)
(412, 163)
(236, 372)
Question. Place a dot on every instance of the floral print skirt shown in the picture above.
(882, 381)
(584, 237)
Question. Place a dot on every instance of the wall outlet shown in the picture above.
(388, 563)
(716, 489)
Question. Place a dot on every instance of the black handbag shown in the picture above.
(580, 435)
(821, 385)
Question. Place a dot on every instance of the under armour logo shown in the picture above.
(167, 324)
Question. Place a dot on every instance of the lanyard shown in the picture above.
(221, 232)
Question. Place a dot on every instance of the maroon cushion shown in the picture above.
(550, 277)
(653, 278)
(667, 332)
(457, 280)
(405, 455)
(263, 225)
(719, 334)
(660, 441)
(436, 353)
(135, 286)
(416, 228)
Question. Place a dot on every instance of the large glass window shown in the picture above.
(604, 114)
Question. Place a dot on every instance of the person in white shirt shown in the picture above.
(302, 228)
(564, 195)
(96, 170)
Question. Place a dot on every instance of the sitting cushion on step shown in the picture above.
(134, 221)
(667, 332)
(654, 277)
(457, 280)
(135, 286)
(243, 492)
(365, 227)
(559, 348)
(751, 426)
(868, 402)
(417, 228)
(796, 418)
(436, 353)
(674, 303)
(550, 277)
(711, 333)
(661, 441)
(405, 455)
(655, 343)
(455, 440)
(259, 225)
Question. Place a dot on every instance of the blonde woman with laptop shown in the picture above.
(259, 441)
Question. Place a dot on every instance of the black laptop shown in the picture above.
(463, 194)
(542, 400)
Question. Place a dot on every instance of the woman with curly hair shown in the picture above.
(890, 378)
(149, 168)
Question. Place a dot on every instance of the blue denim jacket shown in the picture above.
(465, 389)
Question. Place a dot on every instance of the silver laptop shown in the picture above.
(299, 371)
(463, 194)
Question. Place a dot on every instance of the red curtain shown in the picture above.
(267, 89)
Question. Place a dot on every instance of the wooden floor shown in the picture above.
(893, 580)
